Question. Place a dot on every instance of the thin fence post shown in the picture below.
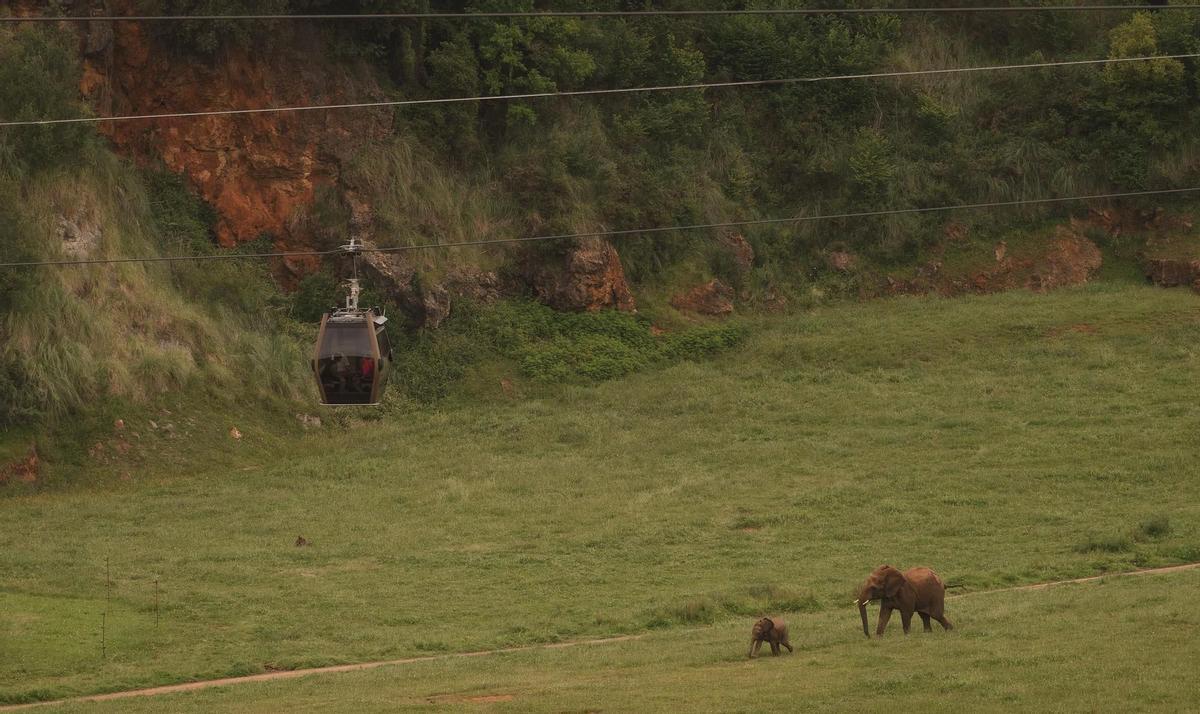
(104, 615)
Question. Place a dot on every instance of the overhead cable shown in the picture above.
(604, 13)
(593, 92)
(619, 233)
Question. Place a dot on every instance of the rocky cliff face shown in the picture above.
(588, 277)
(1173, 272)
(1065, 259)
(260, 171)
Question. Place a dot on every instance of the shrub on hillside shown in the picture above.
(208, 37)
(1141, 103)
(39, 74)
(1155, 527)
(547, 346)
(16, 245)
(592, 356)
(185, 226)
(872, 164)
(314, 295)
(454, 68)
(18, 403)
(1104, 544)
(604, 345)
(701, 342)
(427, 365)
(184, 221)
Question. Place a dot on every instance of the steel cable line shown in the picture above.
(594, 92)
(618, 233)
(174, 258)
(603, 13)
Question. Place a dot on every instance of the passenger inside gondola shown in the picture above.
(346, 363)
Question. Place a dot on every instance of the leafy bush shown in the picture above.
(314, 295)
(39, 74)
(208, 37)
(184, 221)
(701, 342)
(428, 365)
(454, 69)
(18, 403)
(185, 226)
(592, 356)
(16, 245)
(1105, 544)
(605, 345)
(547, 346)
(872, 164)
(1154, 527)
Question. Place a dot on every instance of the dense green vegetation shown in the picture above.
(469, 171)
(987, 436)
(127, 331)
(146, 333)
(688, 157)
(124, 332)
(544, 346)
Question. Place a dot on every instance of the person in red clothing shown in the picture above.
(367, 372)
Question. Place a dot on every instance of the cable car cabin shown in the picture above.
(353, 357)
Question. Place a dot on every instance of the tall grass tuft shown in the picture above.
(757, 600)
(1154, 527)
(132, 331)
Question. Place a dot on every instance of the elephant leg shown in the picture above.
(787, 645)
(945, 623)
(885, 612)
(906, 619)
(925, 621)
(775, 649)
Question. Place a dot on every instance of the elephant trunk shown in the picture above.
(750, 654)
(864, 597)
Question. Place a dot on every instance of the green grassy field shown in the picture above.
(1003, 439)
(1125, 644)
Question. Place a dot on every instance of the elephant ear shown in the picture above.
(765, 625)
(892, 582)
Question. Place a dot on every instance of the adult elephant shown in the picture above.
(918, 590)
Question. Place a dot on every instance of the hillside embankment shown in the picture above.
(312, 179)
(509, 169)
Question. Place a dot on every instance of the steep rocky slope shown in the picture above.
(263, 173)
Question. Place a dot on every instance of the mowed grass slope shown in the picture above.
(1003, 439)
(1119, 645)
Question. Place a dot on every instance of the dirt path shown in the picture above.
(295, 673)
(1043, 586)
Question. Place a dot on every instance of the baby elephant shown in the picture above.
(768, 630)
